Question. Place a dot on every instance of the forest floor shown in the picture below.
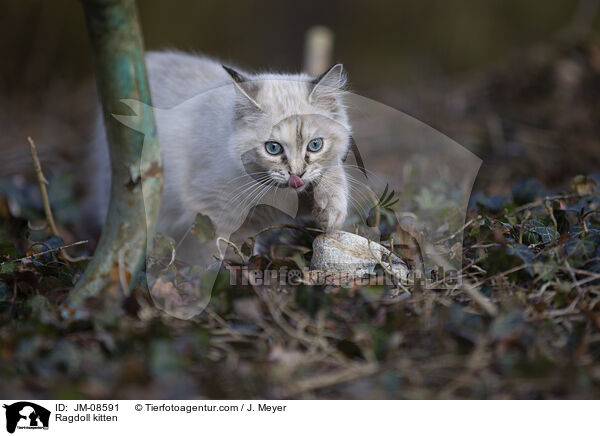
(526, 324)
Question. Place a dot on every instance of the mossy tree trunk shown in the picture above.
(118, 52)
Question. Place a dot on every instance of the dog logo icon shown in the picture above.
(26, 415)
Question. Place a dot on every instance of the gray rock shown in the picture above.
(347, 253)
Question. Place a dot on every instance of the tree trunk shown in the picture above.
(120, 69)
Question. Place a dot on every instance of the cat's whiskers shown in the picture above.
(357, 187)
(254, 180)
(245, 190)
(353, 201)
(261, 196)
(247, 203)
(262, 193)
(247, 175)
(361, 169)
(241, 190)
(360, 188)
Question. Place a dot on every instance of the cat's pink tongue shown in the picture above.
(295, 181)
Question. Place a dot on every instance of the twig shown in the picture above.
(455, 234)
(122, 273)
(479, 298)
(472, 290)
(287, 226)
(491, 244)
(419, 252)
(287, 328)
(281, 226)
(42, 253)
(334, 378)
(502, 274)
(42, 181)
(300, 248)
(232, 245)
(523, 222)
(550, 210)
(576, 284)
(211, 313)
(388, 269)
(540, 202)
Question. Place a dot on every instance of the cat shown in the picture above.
(229, 139)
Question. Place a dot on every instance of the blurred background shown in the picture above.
(514, 81)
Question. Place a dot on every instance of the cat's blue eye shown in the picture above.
(315, 144)
(273, 147)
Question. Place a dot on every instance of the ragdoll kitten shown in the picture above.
(230, 139)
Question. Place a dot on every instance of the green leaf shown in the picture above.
(246, 249)
(545, 271)
(528, 191)
(530, 237)
(580, 248)
(384, 193)
(524, 253)
(389, 198)
(203, 228)
(8, 267)
(53, 242)
(493, 203)
(162, 246)
(593, 232)
(545, 232)
(388, 206)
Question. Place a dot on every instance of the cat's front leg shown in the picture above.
(331, 199)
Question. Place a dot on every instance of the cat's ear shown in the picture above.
(245, 85)
(328, 83)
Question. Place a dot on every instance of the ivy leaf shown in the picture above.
(493, 203)
(524, 253)
(576, 247)
(592, 234)
(545, 232)
(8, 267)
(53, 242)
(203, 228)
(530, 237)
(544, 270)
(527, 191)
(246, 249)
(162, 246)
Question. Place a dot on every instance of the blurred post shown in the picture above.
(318, 50)
(119, 64)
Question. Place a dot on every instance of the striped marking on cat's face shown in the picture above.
(288, 130)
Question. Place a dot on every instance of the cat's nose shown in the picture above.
(295, 181)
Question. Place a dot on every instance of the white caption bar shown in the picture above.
(298, 417)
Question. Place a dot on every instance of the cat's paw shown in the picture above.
(331, 200)
(332, 214)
